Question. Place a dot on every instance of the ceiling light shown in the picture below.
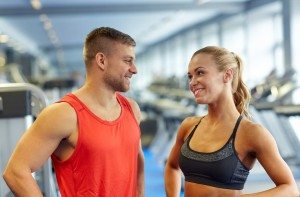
(36, 4)
(202, 1)
(44, 17)
(47, 25)
(4, 38)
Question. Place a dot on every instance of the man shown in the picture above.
(92, 134)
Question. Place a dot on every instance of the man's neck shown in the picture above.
(98, 96)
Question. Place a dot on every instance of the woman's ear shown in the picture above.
(228, 75)
(100, 59)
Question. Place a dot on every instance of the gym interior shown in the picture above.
(41, 60)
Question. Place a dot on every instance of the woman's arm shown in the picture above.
(267, 153)
(173, 173)
(172, 170)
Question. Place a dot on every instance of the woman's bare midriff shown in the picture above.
(199, 190)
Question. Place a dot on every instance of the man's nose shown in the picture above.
(133, 69)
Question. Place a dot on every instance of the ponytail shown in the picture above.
(241, 95)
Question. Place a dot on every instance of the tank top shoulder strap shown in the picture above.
(236, 126)
(124, 102)
(72, 100)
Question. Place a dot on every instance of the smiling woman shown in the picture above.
(209, 65)
(216, 151)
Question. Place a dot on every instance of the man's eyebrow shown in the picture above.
(129, 57)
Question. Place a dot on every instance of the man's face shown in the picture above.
(121, 67)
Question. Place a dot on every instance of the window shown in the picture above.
(264, 41)
(295, 36)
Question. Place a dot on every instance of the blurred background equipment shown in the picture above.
(41, 44)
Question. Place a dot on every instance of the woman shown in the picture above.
(215, 152)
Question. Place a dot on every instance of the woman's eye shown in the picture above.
(199, 72)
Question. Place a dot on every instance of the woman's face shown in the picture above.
(205, 80)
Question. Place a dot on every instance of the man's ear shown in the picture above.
(228, 75)
(100, 59)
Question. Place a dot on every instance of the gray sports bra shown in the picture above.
(221, 168)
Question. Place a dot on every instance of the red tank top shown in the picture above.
(104, 162)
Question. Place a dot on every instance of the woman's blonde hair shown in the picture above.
(225, 59)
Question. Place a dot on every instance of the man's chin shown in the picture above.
(124, 89)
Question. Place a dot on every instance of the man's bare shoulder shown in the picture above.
(135, 108)
(58, 117)
(133, 103)
(63, 108)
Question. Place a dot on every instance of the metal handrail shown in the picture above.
(38, 92)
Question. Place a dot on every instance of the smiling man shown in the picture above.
(92, 134)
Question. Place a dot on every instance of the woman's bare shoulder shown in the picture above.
(254, 134)
(187, 125)
(190, 121)
(252, 128)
